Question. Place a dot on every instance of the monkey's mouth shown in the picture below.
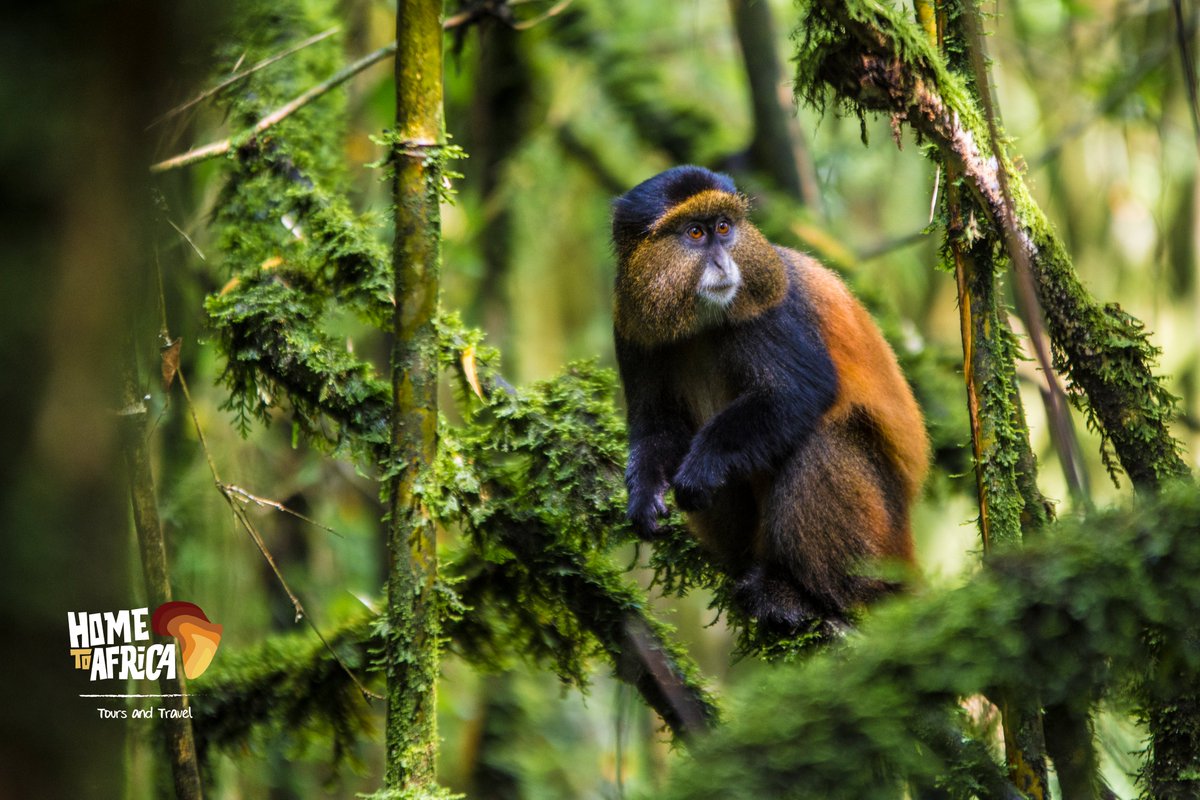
(719, 283)
(719, 293)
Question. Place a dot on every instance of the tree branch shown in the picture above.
(214, 149)
(239, 76)
(872, 60)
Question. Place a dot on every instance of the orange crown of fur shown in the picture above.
(703, 205)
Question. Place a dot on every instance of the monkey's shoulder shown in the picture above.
(790, 330)
(870, 381)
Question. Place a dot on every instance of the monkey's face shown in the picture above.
(720, 277)
(702, 264)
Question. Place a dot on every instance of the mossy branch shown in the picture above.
(544, 525)
(867, 57)
(291, 686)
(551, 604)
(857, 716)
(269, 331)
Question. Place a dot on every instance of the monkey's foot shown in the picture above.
(777, 606)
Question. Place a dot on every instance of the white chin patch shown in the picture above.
(719, 287)
(720, 296)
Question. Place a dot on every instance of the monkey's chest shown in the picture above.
(703, 383)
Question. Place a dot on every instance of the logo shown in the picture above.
(198, 638)
(116, 645)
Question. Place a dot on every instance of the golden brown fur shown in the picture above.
(653, 303)
(780, 418)
(869, 378)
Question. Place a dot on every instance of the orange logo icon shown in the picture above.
(197, 637)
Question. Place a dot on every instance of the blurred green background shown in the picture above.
(556, 119)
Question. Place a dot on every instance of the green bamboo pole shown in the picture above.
(178, 740)
(413, 624)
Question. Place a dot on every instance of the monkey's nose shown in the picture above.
(720, 265)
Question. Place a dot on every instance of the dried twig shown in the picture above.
(275, 504)
(237, 76)
(187, 239)
(553, 11)
(214, 149)
(239, 514)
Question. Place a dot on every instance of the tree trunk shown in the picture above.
(777, 150)
(178, 741)
(412, 614)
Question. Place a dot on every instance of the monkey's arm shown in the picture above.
(790, 382)
(658, 437)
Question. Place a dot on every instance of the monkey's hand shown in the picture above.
(646, 505)
(694, 484)
(647, 484)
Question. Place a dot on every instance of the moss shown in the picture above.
(1006, 471)
(864, 56)
(276, 354)
(534, 481)
(289, 688)
(858, 717)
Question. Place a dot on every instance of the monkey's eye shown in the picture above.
(695, 232)
(723, 227)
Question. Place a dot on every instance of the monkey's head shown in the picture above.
(688, 258)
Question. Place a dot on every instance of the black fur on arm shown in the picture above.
(658, 437)
(790, 383)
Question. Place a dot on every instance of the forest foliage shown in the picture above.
(274, 264)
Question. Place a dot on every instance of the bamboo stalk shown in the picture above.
(411, 653)
(177, 733)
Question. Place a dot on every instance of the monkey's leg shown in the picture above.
(772, 598)
(826, 516)
(727, 527)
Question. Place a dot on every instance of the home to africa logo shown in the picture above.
(115, 645)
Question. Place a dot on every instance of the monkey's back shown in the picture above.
(870, 380)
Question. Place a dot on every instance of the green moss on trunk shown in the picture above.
(866, 57)
(413, 626)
